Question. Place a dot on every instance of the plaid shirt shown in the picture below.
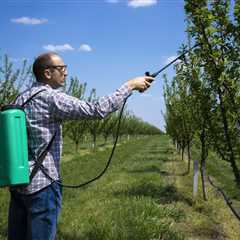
(45, 113)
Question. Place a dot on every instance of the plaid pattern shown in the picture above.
(46, 112)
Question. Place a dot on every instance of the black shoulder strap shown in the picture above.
(39, 161)
(29, 99)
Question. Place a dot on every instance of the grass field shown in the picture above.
(143, 196)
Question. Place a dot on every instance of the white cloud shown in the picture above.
(29, 21)
(141, 3)
(58, 48)
(171, 58)
(85, 48)
(112, 1)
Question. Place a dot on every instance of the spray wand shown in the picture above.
(169, 64)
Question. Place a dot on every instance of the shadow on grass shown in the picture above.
(155, 158)
(66, 236)
(160, 151)
(150, 169)
(95, 233)
(3, 232)
(162, 194)
(154, 169)
(212, 231)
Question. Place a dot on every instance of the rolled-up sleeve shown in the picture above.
(65, 107)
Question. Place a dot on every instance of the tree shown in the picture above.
(12, 80)
(211, 27)
(76, 129)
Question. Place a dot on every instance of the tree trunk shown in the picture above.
(228, 140)
(178, 148)
(76, 145)
(183, 149)
(189, 157)
(203, 162)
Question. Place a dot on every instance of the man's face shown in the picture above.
(56, 73)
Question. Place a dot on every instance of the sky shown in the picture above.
(103, 42)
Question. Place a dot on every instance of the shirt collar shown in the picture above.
(40, 84)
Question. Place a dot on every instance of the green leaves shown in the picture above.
(205, 92)
(12, 79)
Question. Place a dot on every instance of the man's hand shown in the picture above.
(140, 83)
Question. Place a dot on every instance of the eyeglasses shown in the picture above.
(61, 68)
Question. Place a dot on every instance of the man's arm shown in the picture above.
(67, 107)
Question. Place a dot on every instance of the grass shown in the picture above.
(141, 197)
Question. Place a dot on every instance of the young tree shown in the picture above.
(75, 130)
(12, 79)
(211, 26)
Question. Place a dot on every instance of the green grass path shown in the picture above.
(142, 197)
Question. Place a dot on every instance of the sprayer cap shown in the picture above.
(11, 106)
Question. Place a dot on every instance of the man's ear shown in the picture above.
(47, 73)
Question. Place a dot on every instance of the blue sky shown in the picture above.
(104, 43)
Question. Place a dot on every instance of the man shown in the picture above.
(34, 209)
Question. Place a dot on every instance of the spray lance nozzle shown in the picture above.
(182, 56)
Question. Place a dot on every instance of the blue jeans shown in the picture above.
(34, 217)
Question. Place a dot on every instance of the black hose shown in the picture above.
(226, 199)
(108, 162)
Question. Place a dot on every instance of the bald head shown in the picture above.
(49, 68)
(41, 62)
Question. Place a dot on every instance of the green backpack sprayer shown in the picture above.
(14, 167)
